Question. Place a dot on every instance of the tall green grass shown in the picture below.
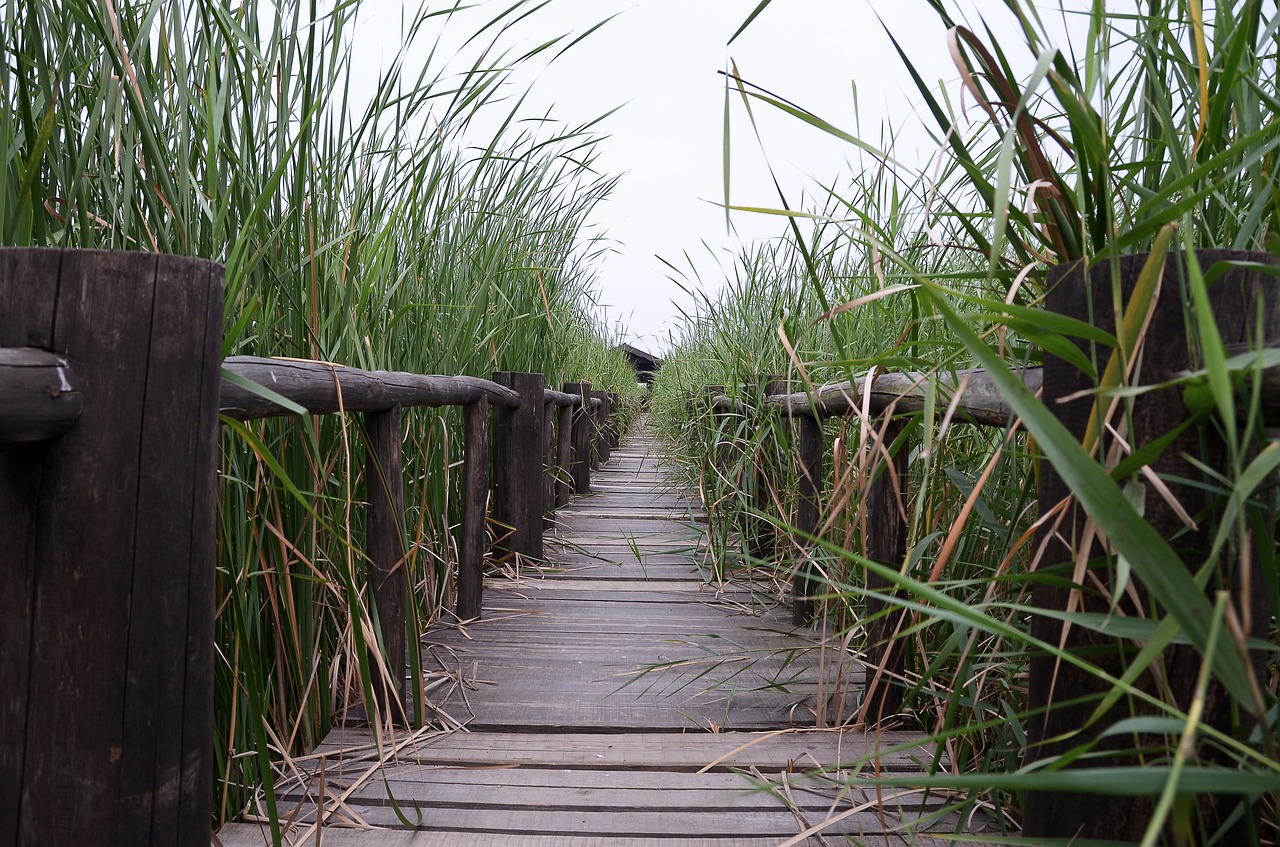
(434, 228)
(1164, 115)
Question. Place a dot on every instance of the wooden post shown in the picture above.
(384, 545)
(761, 537)
(581, 437)
(615, 431)
(1067, 694)
(604, 412)
(107, 550)
(564, 456)
(517, 466)
(804, 584)
(886, 541)
(475, 488)
(549, 470)
(596, 418)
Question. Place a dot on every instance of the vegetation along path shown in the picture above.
(612, 697)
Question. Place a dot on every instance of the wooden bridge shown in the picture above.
(614, 697)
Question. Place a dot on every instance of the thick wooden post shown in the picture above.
(517, 466)
(886, 541)
(107, 551)
(582, 422)
(1243, 302)
(475, 495)
(761, 537)
(384, 545)
(564, 456)
(804, 584)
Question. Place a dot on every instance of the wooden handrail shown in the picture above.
(981, 401)
(322, 388)
(42, 397)
(520, 430)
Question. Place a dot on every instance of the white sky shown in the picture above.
(659, 60)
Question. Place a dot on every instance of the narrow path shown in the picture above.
(613, 698)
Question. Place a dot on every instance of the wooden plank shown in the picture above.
(253, 835)
(769, 752)
(777, 823)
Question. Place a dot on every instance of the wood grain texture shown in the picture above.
(26, 321)
(115, 563)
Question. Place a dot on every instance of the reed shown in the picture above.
(395, 233)
(1154, 130)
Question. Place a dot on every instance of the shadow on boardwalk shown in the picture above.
(613, 697)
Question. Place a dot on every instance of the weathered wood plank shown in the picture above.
(251, 835)
(769, 752)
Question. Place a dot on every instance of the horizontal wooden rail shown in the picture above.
(42, 397)
(980, 400)
(560, 398)
(322, 388)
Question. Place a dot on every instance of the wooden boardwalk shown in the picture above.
(612, 697)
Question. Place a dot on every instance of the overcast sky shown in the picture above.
(660, 60)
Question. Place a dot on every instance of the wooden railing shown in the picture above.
(108, 462)
(886, 401)
(526, 473)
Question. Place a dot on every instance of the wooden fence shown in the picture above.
(888, 400)
(108, 461)
(1244, 301)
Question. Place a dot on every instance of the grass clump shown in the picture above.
(430, 229)
(1153, 130)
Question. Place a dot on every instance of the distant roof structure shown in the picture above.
(645, 364)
